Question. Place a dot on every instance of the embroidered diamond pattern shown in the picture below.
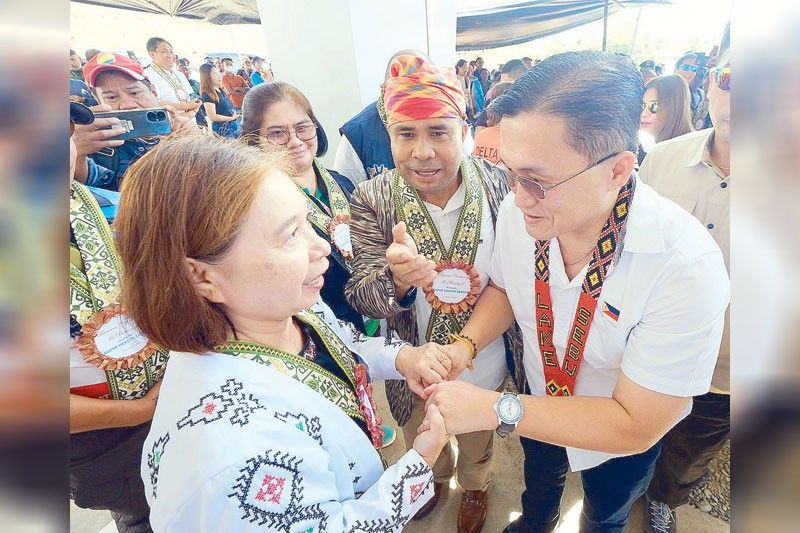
(416, 490)
(271, 489)
(415, 481)
(270, 492)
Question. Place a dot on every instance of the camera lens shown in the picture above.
(151, 116)
(161, 115)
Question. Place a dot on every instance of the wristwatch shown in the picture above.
(509, 410)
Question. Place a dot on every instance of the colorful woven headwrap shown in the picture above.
(418, 89)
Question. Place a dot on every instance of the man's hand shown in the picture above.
(464, 407)
(431, 436)
(409, 268)
(182, 121)
(91, 138)
(459, 357)
(422, 366)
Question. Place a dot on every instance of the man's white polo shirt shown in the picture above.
(164, 89)
(670, 287)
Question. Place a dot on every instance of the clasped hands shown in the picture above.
(431, 363)
(430, 369)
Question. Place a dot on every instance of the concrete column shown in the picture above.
(335, 51)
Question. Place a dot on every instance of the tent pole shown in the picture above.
(605, 24)
(635, 32)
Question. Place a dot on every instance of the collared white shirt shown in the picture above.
(670, 289)
(490, 365)
(682, 170)
(165, 91)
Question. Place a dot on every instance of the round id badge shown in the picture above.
(110, 340)
(455, 288)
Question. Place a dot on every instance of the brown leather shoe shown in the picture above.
(426, 509)
(472, 513)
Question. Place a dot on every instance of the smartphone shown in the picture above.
(140, 122)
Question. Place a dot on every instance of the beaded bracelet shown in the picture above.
(469, 343)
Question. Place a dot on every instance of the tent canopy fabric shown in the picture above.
(213, 11)
(525, 21)
(480, 29)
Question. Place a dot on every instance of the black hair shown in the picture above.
(224, 59)
(598, 94)
(460, 63)
(260, 98)
(72, 52)
(153, 42)
(685, 58)
(515, 65)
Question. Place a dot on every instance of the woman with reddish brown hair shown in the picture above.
(265, 419)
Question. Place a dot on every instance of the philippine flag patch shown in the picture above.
(610, 311)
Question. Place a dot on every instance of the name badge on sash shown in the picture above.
(110, 340)
(455, 287)
(339, 230)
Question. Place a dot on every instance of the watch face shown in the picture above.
(509, 409)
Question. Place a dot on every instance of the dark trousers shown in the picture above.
(105, 475)
(610, 489)
(689, 447)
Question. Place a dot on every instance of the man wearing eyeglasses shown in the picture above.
(423, 235)
(692, 69)
(619, 293)
(693, 170)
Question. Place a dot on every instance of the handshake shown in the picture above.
(431, 363)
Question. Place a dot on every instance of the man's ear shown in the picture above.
(464, 130)
(622, 169)
(206, 280)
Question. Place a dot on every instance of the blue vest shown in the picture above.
(370, 140)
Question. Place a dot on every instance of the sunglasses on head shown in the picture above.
(651, 106)
(689, 68)
(721, 76)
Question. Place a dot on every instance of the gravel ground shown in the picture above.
(713, 494)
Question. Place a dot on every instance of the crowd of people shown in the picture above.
(506, 249)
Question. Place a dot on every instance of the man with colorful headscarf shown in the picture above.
(423, 234)
(364, 149)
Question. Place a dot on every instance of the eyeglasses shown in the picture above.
(721, 76)
(534, 188)
(689, 68)
(651, 106)
(306, 132)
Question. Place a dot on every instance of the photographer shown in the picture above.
(120, 85)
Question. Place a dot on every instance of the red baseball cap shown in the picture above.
(110, 61)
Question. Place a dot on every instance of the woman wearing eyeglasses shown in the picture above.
(665, 111)
(277, 115)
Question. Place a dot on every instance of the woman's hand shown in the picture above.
(431, 436)
(423, 365)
